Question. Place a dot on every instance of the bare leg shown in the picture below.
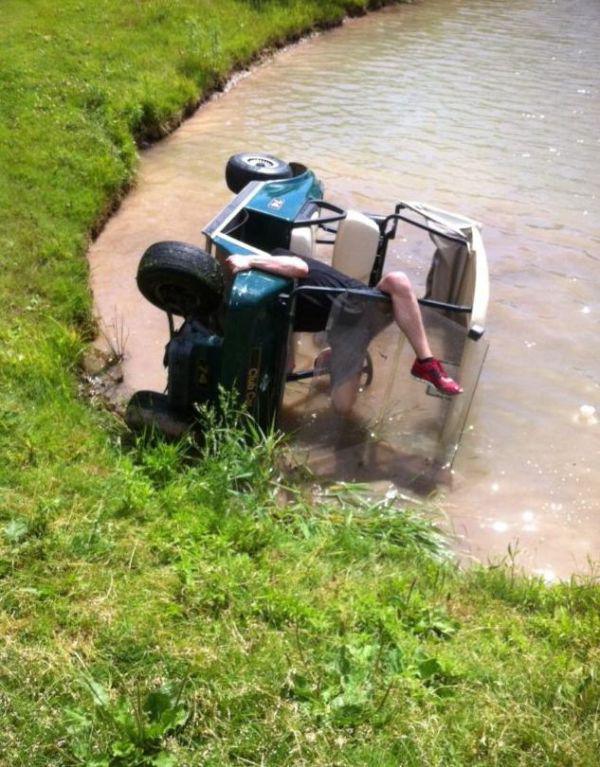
(343, 396)
(407, 312)
(407, 315)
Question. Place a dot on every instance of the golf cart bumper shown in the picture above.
(256, 330)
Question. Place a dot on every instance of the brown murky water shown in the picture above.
(487, 108)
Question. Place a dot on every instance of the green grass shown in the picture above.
(160, 607)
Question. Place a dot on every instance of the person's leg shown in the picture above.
(322, 361)
(407, 312)
(349, 334)
(343, 396)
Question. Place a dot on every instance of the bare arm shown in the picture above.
(285, 266)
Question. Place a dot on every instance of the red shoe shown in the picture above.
(433, 371)
(322, 361)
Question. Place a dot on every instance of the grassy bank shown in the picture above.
(162, 608)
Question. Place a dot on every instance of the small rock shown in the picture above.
(95, 361)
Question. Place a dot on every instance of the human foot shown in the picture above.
(322, 360)
(432, 371)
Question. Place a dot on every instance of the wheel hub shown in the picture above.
(261, 162)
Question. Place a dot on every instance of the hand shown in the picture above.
(237, 264)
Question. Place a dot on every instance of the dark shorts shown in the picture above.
(312, 310)
(353, 324)
(351, 321)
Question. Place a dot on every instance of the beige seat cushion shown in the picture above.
(355, 246)
(303, 239)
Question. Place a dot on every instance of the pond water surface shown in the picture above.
(487, 108)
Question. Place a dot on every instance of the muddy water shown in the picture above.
(488, 108)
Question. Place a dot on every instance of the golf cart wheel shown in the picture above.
(180, 279)
(249, 166)
(150, 411)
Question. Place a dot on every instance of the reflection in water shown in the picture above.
(487, 108)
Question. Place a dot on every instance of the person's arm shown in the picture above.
(285, 266)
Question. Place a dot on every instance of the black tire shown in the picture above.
(150, 411)
(254, 166)
(180, 279)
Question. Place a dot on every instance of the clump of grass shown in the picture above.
(141, 725)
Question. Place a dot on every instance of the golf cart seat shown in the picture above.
(303, 240)
(355, 247)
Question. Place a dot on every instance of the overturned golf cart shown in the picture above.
(236, 334)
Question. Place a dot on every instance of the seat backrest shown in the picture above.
(303, 239)
(355, 246)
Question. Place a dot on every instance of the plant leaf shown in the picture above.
(16, 530)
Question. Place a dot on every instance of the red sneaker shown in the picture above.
(322, 361)
(433, 371)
